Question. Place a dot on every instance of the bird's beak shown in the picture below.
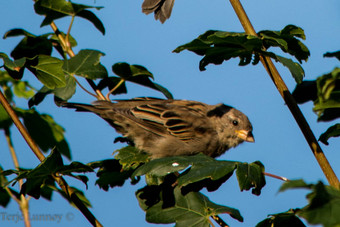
(245, 135)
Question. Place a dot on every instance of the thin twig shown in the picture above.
(290, 101)
(219, 221)
(59, 179)
(23, 201)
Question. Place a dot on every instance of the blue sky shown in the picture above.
(136, 38)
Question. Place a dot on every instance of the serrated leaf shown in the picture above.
(295, 68)
(285, 39)
(251, 176)
(333, 131)
(139, 75)
(193, 209)
(45, 131)
(14, 68)
(49, 71)
(86, 64)
(282, 220)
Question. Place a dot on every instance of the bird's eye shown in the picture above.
(235, 122)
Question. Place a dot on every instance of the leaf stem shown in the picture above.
(113, 89)
(59, 179)
(290, 101)
(68, 49)
(276, 176)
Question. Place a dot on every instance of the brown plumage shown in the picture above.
(174, 127)
(161, 8)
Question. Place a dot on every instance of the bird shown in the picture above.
(161, 8)
(172, 127)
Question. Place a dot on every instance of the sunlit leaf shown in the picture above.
(86, 64)
(49, 71)
(251, 176)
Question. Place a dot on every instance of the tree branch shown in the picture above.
(59, 179)
(290, 101)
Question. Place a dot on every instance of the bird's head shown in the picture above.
(234, 127)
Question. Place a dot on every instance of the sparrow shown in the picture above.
(161, 8)
(165, 128)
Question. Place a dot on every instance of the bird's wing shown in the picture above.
(165, 117)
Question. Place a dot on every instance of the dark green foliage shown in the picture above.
(324, 203)
(285, 219)
(219, 46)
(57, 9)
(192, 209)
(325, 93)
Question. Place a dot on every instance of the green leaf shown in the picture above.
(86, 64)
(23, 89)
(323, 207)
(88, 15)
(327, 103)
(333, 131)
(40, 175)
(14, 68)
(5, 198)
(193, 209)
(295, 68)
(282, 220)
(110, 173)
(294, 184)
(285, 39)
(45, 131)
(218, 46)
(49, 71)
(139, 75)
(66, 92)
(130, 157)
(31, 45)
(56, 9)
(305, 91)
(5, 120)
(333, 54)
(251, 176)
